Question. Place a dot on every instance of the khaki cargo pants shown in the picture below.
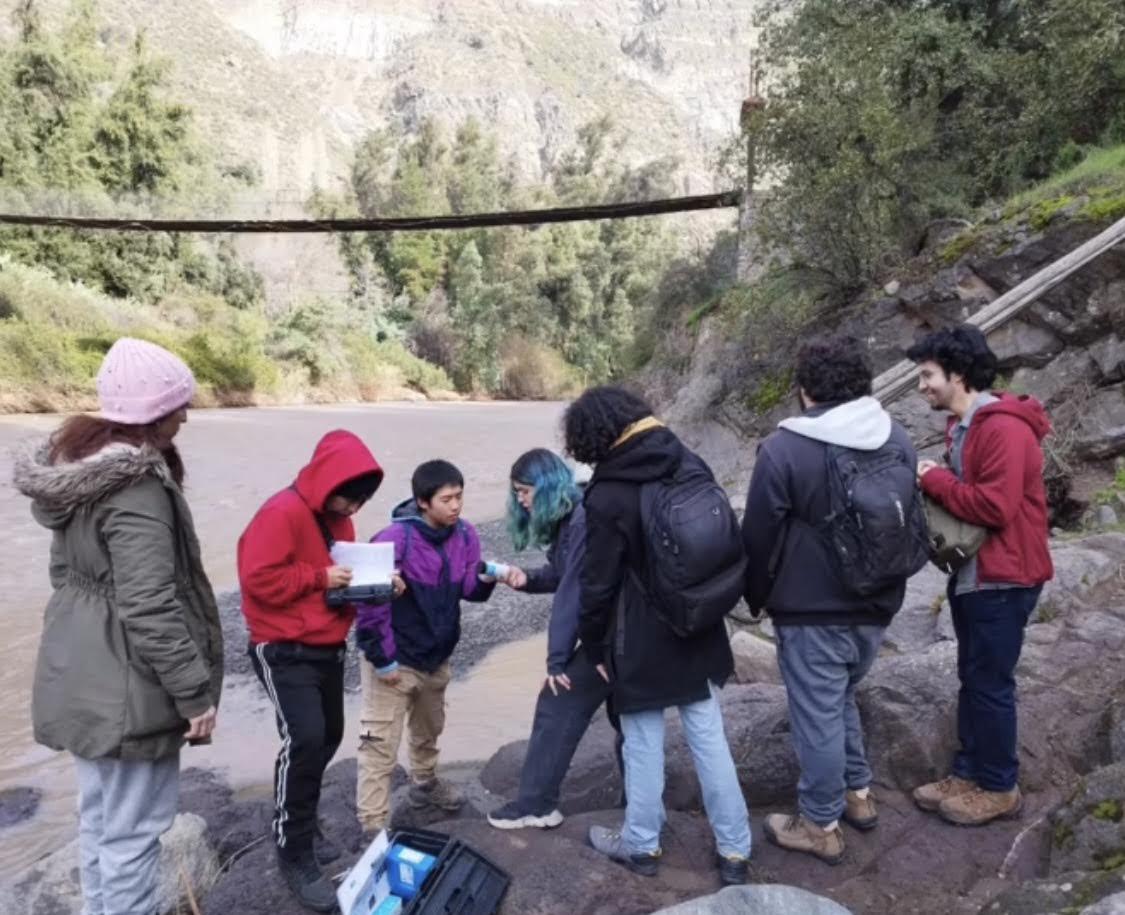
(417, 699)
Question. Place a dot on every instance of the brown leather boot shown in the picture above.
(798, 834)
(929, 797)
(978, 807)
(860, 812)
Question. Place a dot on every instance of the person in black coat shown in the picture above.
(650, 667)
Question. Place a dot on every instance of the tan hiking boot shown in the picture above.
(798, 834)
(929, 797)
(860, 812)
(438, 793)
(978, 807)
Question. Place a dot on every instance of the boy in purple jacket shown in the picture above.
(408, 642)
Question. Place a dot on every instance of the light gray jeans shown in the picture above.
(124, 806)
(821, 667)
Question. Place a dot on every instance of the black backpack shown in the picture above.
(696, 567)
(876, 527)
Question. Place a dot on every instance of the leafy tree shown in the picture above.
(884, 114)
(577, 289)
(83, 132)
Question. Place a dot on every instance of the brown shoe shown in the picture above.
(438, 793)
(860, 812)
(978, 807)
(929, 797)
(798, 834)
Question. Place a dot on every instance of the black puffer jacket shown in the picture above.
(652, 667)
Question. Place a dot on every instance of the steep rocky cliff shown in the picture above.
(291, 84)
(726, 384)
(287, 87)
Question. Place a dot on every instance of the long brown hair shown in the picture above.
(81, 436)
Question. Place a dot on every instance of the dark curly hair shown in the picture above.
(834, 369)
(961, 350)
(597, 418)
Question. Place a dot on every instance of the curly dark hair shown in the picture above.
(961, 350)
(597, 418)
(834, 369)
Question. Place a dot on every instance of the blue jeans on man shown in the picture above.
(644, 778)
(821, 667)
(989, 626)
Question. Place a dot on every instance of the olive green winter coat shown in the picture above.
(132, 644)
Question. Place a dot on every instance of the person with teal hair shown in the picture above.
(545, 510)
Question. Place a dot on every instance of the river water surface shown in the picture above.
(236, 459)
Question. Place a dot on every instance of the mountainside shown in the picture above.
(291, 84)
(286, 88)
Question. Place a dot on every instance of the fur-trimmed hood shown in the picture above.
(58, 490)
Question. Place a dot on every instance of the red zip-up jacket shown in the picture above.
(283, 559)
(1002, 489)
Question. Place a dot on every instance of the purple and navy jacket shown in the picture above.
(421, 628)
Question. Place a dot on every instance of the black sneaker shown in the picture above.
(312, 889)
(732, 869)
(511, 816)
(325, 849)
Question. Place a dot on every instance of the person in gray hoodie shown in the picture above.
(827, 634)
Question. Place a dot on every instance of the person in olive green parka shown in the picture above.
(130, 659)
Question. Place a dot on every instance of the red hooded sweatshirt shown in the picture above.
(1002, 489)
(283, 559)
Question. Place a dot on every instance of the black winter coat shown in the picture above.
(652, 667)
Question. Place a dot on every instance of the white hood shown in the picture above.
(862, 424)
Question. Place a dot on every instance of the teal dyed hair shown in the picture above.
(556, 495)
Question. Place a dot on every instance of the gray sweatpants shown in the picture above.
(821, 667)
(124, 806)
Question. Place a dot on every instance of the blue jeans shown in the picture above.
(989, 627)
(644, 777)
(821, 667)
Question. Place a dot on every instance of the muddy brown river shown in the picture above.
(235, 459)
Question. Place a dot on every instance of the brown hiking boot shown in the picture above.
(929, 797)
(860, 812)
(798, 834)
(436, 792)
(978, 807)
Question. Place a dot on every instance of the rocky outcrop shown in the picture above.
(187, 859)
(1065, 853)
(1066, 349)
(766, 899)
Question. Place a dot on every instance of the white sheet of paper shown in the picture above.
(371, 563)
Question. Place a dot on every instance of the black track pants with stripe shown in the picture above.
(305, 683)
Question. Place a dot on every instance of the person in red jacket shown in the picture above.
(297, 640)
(994, 479)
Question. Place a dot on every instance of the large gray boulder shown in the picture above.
(908, 706)
(1102, 431)
(762, 899)
(1073, 893)
(1056, 381)
(757, 727)
(187, 858)
(1109, 356)
(755, 658)
(1110, 905)
(1089, 832)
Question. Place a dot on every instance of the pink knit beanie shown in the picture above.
(140, 382)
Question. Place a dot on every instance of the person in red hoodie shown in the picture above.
(297, 640)
(994, 479)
